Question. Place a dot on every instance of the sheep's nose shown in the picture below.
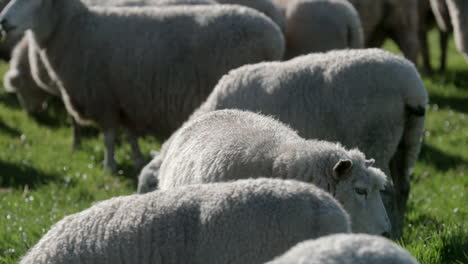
(3, 23)
(5, 26)
(386, 234)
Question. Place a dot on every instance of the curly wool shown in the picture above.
(247, 221)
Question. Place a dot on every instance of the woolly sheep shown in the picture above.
(19, 79)
(356, 97)
(458, 10)
(228, 145)
(7, 47)
(27, 75)
(396, 19)
(247, 221)
(113, 67)
(346, 249)
(321, 25)
(30, 95)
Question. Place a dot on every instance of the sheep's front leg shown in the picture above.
(109, 142)
(138, 159)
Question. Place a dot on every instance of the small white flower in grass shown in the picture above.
(23, 137)
(455, 210)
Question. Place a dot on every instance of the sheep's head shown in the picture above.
(358, 189)
(31, 98)
(148, 178)
(21, 15)
(347, 175)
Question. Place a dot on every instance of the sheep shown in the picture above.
(34, 90)
(18, 79)
(227, 145)
(33, 99)
(396, 19)
(320, 25)
(113, 66)
(355, 97)
(458, 10)
(247, 221)
(346, 248)
(7, 47)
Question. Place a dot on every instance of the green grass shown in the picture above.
(41, 180)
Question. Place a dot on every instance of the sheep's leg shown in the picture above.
(424, 44)
(138, 159)
(109, 142)
(443, 40)
(76, 135)
(408, 44)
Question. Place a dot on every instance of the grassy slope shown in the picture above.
(41, 180)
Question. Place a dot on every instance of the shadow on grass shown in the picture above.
(456, 103)
(17, 176)
(6, 129)
(56, 116)
(458, 77)
(455, 248)
(439, 159)
(9, 100)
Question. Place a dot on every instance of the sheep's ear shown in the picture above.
(369, 162)
(341, 168)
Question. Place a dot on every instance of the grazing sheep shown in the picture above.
(458, 10)
(355, 97)
(228, 145)
(18, 79)
(247, 221)
(346, 248)
(321, 25)
(144, 69)
(396, 19)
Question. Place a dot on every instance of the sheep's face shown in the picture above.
(358, 190)
(21, 15)
(148, 178)
(31, 98)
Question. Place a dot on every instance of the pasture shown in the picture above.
(42, 180)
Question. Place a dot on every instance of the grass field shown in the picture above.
(41, 180)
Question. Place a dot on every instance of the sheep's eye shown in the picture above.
(361, 191)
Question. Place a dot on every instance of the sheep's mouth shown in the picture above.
(6, 29)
